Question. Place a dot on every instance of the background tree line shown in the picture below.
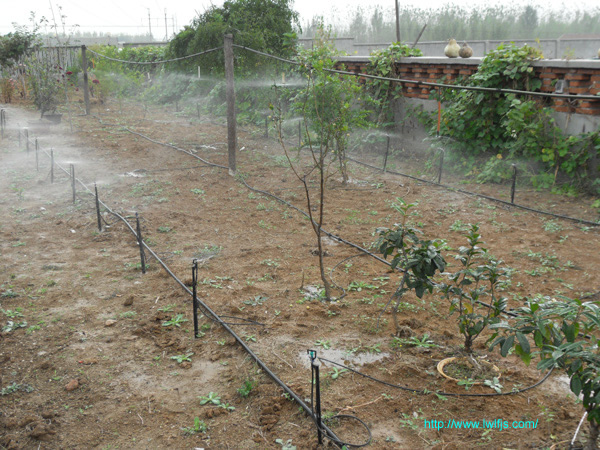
(376, 24)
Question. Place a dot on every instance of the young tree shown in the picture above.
(328, 107)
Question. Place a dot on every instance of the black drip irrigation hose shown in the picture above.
(475, 194)
(445, 394)
(208, 163)
(215, 317)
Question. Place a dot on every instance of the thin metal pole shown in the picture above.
(51, 166)
(194, 295)
(140, 242)
(387, 151)
(514, 184)
(397, 21)
(98, 208)
(231, 119)
(266, 126)
(2, 119)
(73, 188)
(441, 168)
(299, 134)
(86, 90)
(315, 366)
(26, 133)
(37, 155)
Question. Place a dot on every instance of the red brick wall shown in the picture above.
(585, 81)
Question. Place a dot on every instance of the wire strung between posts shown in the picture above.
(445, 394)
(475, 194)
(428, 83)
(154, 62)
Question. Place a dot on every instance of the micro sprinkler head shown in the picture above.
(312, 354)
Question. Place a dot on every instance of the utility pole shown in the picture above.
(397, 21)
(166, 30)
(149, 22)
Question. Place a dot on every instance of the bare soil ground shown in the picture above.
(90, 360)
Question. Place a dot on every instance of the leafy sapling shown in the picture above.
(565, 334)
(472, 291)
(417, 258)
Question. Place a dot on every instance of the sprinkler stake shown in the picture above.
(441, 168)
(37, 156)
(514, 184)
(140, 242)
(72, 171)
(51, 165)
(387, 151)
(194, 296)
(98, 209)
(314, 365)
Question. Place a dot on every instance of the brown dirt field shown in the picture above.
(93, 317)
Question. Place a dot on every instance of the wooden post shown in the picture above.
(86, 90)
(231, 120)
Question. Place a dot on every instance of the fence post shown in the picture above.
(231, 120)
(86, 91)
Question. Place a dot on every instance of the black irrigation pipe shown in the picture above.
(475, 194)
(155, 62)
(208, 163)
(215, 317)
(427, 83)
(445, 394)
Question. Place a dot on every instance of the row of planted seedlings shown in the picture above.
(561, 333)
(472, 320)
(199, 308)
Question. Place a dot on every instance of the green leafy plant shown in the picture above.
(494, 383)
(175, 321)
(418, 259)
(182, 358)
(564, 331)
(473, 290)
(422, 342)
(212, 398)
(285, 445)
(199, 427)
(323, 343)
(246, 388)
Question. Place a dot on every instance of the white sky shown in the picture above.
(131, 16)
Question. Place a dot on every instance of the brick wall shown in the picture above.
(582, 77)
